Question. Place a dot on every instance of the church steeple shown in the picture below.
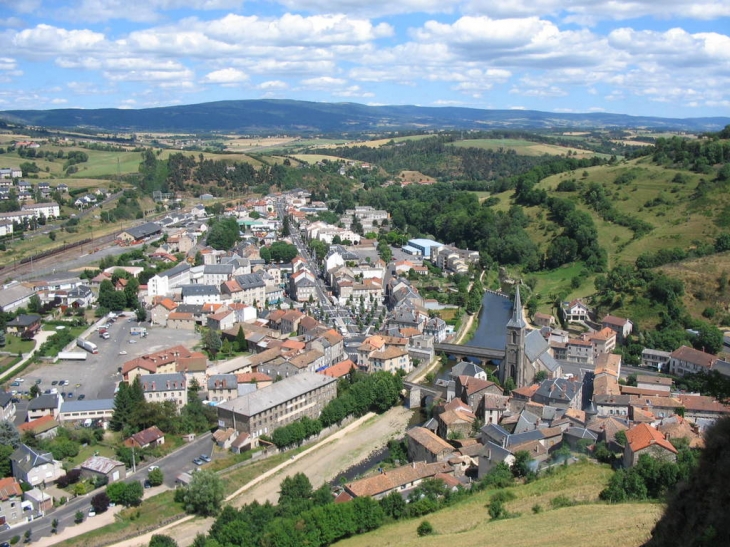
(517, 320)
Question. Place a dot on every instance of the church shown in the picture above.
(526, 351)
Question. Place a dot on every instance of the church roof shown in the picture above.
(517, 320)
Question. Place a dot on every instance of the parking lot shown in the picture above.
(98, 375)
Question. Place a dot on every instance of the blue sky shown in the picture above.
(643, 57)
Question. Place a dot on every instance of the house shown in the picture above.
(47, 210)
(224, 438)
(467, 368)
(612, 405)
(200, 294)
(495, 406)
(11, 510)
(99, 466)
(222, 387)
(621, 326)
(79, 297)
(472, 390)
(25, 325)
(34, 467)
(174, 359)
(644, 439)
(44, 405)
(241, 444)
(7, 406)
(456, 420)
(575, 311)
(426, 446)
(166, 387)
(152, 436)
(339, 370)
(162, 283)
(543, 319)
(686, 360)
(161, 311)
(222, 320)
(215, 274)
(492, 455)
(401, 479)
(656, 359)
(181, 320)
(42, 428)
(390, 359)
(658, 383)
(560, 393)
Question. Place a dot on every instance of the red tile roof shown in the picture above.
(643, 436)
(340, 369)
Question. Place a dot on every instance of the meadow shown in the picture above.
(589, 522)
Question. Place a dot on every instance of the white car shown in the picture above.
(133, 341)
(122, 352)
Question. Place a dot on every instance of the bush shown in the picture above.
(156, 477)
(79, 517)
(14, 540)
(561, 501)
(537, 508)
(425, 529)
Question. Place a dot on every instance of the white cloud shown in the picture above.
(323, 83)
(138, 10)
(272, 85)
(59, 101)
(225, 76)
(46, 40)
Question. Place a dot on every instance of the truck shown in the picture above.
(88, 346)
(72, 355)
(138, 330)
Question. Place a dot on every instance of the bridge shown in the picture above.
(485, 354)
(416, 393)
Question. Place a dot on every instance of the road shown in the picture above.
(171, 465)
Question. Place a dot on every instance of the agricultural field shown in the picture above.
(589, 522)
(314, 158)
(527, 148)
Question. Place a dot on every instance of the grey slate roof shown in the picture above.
(526, 422)
(524, 437)
(581, 433)
(465, 368)
(536, 350)
(495, 432)
(43, 401)
(222, 381)
(14, 293)
(195, 309)
(87, 405)
(5, 399)
(26, 458)
(277, 393)
(517, 319)
(558, 389)
(199, 290)
(24, 320)
(175, 270)
(222, 269)
(494, 452)
(145, 230)
(250, 281)
(176, 382)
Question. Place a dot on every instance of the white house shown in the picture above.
(48, 210)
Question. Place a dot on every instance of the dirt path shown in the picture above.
(321, 463)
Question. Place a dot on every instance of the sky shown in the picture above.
(667, 58)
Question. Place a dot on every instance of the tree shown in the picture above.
(223, 234)
(241, 343)
(54, 526)
(540, 376)
(132, 494)
(156, 477)
(159, 540)
(27, 535)
(100, 502)
(204, 494)
(522, 464)
(35, 391)
(9, 435)
(123, 408)
(212, 341)
(35, 305)
(79, 517)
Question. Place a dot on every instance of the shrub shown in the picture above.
(14, 540)
(425, 528)
(537, 508)
(561, 501)
(79, 517)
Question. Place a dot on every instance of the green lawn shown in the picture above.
(14, 344)
(130, 521)
(87, 451)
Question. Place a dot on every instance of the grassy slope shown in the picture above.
(679, 223)
(467, 523)
(522, 147)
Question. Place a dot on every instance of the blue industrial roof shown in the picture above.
(424, 242)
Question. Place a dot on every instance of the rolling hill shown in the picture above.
(274, 116)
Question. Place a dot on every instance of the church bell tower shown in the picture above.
(514, 362)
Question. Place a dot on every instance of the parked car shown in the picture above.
(147, 484)
(152, 468)
(70, 395)
(122, 352)
(38, 381)
(15, 384)
(65, 382)
(133, 341)
(198, 461)
(81, 397)
(54, 383)
(205, 458)
(92, 513)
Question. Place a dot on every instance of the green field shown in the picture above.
(467, 523)
(527, 148)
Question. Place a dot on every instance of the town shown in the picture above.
(226, 334)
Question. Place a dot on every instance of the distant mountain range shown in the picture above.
(291, 117)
